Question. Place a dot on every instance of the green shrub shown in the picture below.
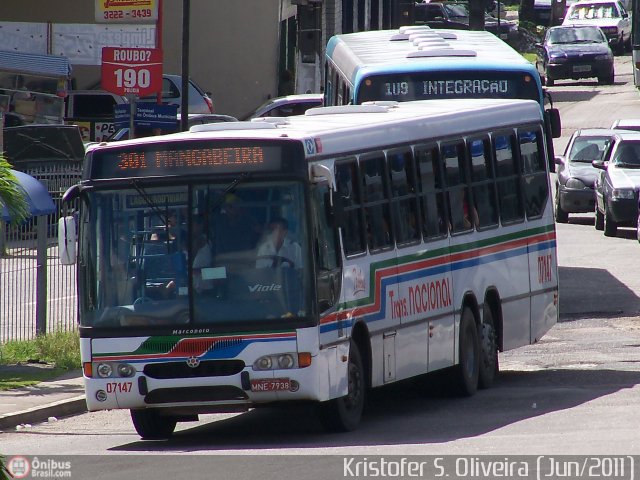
(61, 349)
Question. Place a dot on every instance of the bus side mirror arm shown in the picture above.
(334, 209)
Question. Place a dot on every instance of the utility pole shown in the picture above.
(184, 105)
(477, 9)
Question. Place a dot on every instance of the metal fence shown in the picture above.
(37, 294)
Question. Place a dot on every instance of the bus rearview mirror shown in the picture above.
(67, 240)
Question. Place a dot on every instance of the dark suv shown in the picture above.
(455, 15)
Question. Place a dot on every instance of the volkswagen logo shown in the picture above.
(193, 362)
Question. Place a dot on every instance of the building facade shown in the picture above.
(243, 51)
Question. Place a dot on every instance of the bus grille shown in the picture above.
(195, 394)
(207, 368)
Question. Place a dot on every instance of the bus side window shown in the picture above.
(404, 207)
(328, 84)
(432, 204)
(460, 208)
(508, 180)
(376, 204)
(348, 189)
(534, 173)
(482, 182)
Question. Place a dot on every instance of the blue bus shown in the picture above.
(420, 63)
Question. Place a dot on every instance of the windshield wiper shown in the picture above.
(150, 203)
(229, 189)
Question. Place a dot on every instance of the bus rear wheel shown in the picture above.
(344, 414)
(466, 373)
(488, 368)
(150, 425)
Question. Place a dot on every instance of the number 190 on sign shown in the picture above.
(132, 71)
(132, 79)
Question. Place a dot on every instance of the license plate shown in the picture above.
(270, 384)
(504, 36)
(582, 68)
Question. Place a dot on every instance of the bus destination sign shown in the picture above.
(186, 158)
(401, 87)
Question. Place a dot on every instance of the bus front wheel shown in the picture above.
(465, 381)
(150, 425)
(344, 414)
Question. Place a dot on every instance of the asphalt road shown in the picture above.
(575, 392)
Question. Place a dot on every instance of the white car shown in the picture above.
(610, 15)
(627, 124)
(287, 105)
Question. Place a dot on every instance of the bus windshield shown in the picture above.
(195, 255)
(429, 85)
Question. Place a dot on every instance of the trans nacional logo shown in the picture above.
(193, 362)
(19, 467)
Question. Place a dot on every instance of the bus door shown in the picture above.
(543, 278)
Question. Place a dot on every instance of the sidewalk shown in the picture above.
(57, 398)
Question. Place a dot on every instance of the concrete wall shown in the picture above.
(233, 44)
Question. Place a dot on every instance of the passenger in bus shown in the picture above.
(277, 250)
(469, 212)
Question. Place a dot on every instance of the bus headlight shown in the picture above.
(113, 370)
(286, 361)
(125, 370)
(276, 362)
(263, 363)
(105, 370)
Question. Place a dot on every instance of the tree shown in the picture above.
(11, 195)
(4, 472)
(527, 12)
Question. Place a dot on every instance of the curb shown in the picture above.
(72, 406)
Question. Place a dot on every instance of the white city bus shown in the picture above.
(401, 239)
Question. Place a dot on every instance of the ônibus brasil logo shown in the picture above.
(19, 467)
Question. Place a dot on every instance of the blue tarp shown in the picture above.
(36, 194)
(55, 66)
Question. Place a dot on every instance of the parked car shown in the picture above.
(194, 119)
(609, 15)
(627, 124)
(199, 100)
(455, 15)
(92, 111)
(542, 12)
(616, 186)
(287, 106)
(576, 174)
(574, 52)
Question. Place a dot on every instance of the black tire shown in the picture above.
(561, 215)
(344, 414)
(599, 221)
(549, 82)
(610, 227)
(489, 367)
(150, 425)
(619, 49)
(465, 375)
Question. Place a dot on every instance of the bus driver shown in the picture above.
(277, 250)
